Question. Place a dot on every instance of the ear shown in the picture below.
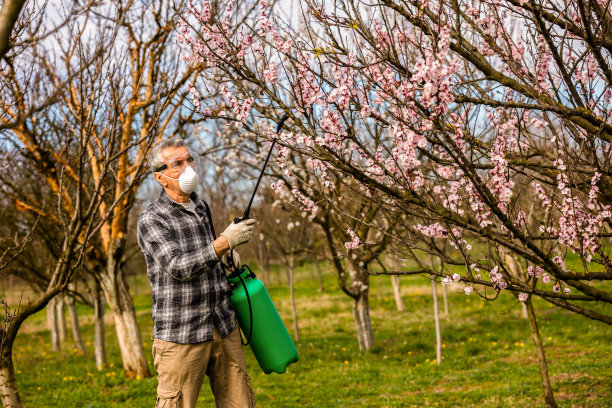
(160, 179)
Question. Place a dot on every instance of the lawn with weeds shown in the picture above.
(488, 354)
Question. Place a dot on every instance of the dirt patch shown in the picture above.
(522, 359)
(563, 377)
(572, 388)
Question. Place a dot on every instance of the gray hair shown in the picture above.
(155, 157)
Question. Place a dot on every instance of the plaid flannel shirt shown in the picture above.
(189, 287)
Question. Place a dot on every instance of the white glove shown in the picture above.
(225, 259)
(238, 234)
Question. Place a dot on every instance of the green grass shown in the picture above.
(489, 357)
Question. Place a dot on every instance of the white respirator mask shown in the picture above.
(188, 180)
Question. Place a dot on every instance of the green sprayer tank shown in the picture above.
(269, 339)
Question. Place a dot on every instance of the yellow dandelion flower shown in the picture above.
(346, 362)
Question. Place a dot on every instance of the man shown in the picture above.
(195, 329)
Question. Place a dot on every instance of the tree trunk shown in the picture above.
(264, 274)
(52, 323)
(8, 383)
(290, 278)
(128, 334)
(9, 13)
(395, 282)
(279, 277)
(445, 299)
(265, 278)
(99, 345)
(363, 322)
(320, 276)
(61, 318)
(517, 272)
(74, 325)
(437, 321)
(543, 366)
(361, 307)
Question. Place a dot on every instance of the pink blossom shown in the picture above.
(434, 230)
(522, 297)
(271, 74)
(497, 278)
(538, 272)
(456, 277)
(446, 171)
(366, 111)
(542, 67)
(545, 278)
(355, 242)
(468, 289)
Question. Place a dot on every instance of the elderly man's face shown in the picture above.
(178, 155)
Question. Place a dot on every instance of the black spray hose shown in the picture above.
(245, 216)
(250, 307)
(279, 126)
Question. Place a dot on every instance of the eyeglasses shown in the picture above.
(180, 161)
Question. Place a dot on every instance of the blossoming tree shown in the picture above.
(485, 124)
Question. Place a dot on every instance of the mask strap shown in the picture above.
(171, 178)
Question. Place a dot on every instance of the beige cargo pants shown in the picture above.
(181, 369)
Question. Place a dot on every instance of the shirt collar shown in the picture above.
(164, 198)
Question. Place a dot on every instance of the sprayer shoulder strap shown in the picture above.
(209, 215)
